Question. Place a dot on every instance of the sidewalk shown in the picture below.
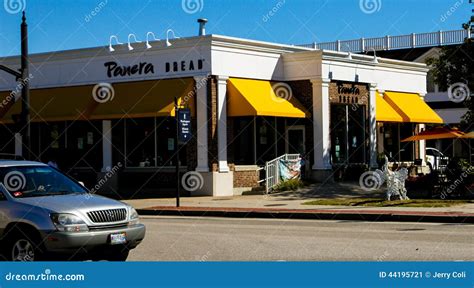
(289, 205)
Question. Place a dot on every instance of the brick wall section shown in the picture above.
(246, 179)
(303, 91)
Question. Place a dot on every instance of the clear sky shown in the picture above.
(69, 24)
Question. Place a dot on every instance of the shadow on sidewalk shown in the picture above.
(329, 190)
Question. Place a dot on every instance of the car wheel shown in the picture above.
(23, 248)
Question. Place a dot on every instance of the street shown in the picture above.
(231, 239)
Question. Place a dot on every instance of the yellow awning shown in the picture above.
(411, 107)
(135, 99)
(384, 112)
(54, 104)
(257, 98)
(147, 99)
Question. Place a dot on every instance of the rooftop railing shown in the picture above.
(414, 40)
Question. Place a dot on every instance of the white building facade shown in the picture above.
(336, 110)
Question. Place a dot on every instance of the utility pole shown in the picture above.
(176, 151)
(23, 77)
(25, 91)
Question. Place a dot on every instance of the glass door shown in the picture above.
(295, 139)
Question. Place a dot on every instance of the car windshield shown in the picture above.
(35, 181)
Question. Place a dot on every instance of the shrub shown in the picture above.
(292, 185)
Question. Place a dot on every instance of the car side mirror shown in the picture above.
(82, 183)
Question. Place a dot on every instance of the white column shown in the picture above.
(372, 126)
(422, 143)
(202, 120)
(222, 123)
(106, 145)
(321, 120)
(18, 144)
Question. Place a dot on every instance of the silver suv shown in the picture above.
(44, 213)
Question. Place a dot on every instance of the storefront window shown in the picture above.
(7, 141)
(166, 133)
(407, 149)
(84, 144)
(150, 142)
(257, 139)
(391, 141)
(348, 133)
(140, 142)
(338, 133)
(295, 139)
(266, 139)
(243, 142)
(51, 144)
(394, 149)
(357, 134)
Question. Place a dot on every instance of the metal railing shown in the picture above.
(414, 40)
(272, 171)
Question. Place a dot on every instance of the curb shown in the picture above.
(315, 214)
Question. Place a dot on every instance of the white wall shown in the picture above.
(386, 77)
(86, 66)
(389, 75)
(243, 63)
(228, 56)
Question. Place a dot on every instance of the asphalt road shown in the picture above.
(230, 239)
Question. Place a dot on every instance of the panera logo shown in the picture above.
(115, 70)
(351, 90)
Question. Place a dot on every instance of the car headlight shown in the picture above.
(134, 219)
(69, 223)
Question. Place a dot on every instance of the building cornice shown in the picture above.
(253, 45)
(120, 50)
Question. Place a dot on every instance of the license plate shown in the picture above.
(118, 238)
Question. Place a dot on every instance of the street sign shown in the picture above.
(184, 125)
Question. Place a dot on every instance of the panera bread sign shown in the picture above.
(113, 69)
(348, 93)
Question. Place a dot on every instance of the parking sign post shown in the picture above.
(176, 150)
